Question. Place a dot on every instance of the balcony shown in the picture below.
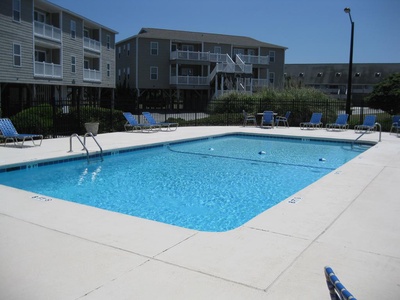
(47, 31)
(47, 70)
(91, 44)
(188, 80)
(91, 75)
(254, 59)
(259, 83)
(200, 56)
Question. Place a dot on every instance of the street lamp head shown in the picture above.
(347, 10)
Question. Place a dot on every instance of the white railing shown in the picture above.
(259, 83)
(200, 56)
(48, 70)
(190, 55)
(245, 68)
(254, 59)
(188, 80)
(91, 75)
(91, 44)
(47, 31)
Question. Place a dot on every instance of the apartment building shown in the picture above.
(182, 65)
(332, 79)
(50, 53)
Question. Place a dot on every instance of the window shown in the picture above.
(73, 64)
(153, 73)
(119, 74)
(251, 52)
(39, 16)
(271, 56)
(319, 74)
(86, 33)
(129, 48)
(187, 47)
(86, 64)
(17, 55)
(73, 29)
(108, 41)
(217, 49)
(154, 48)
(40, 56)
(238, 51)
(108, 70)
(119, 51)
(17, 10)
(271, 77)
(128, 72)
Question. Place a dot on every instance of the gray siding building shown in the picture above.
(182, 65)
(48, 52)
(333, 78)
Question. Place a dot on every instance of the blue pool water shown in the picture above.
(215, 184)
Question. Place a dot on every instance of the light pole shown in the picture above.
(348, 99)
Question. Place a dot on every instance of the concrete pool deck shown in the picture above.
(349, 220)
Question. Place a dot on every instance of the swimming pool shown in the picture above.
(214, 184)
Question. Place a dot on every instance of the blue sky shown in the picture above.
(314, 31)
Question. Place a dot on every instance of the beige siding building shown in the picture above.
(179, 65)
(48, 52)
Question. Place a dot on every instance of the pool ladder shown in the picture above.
(89, 134)
(380, 135)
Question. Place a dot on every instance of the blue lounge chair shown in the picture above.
(395, 124)
(368, 125)
(9, 133)
(267, 119)
(337, 290)
(168, 125)
(315, 122)
(283, 119)
(340, 123)
(247, 117)
(132, 124)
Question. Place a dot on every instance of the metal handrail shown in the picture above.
(84, 144)
(380, 134)
(91, 135)
(84, 147)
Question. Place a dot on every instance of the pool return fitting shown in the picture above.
(89, 134)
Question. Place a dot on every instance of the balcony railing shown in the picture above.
(200, 56)
(253, 59)
(91, 44)
(47, 31)
(188, 80)
(259, 83)
(91, 75)
(47, 70)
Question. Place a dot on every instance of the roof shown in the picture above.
(179, 35)
(54, 7)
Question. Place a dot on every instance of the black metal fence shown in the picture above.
(63, 118)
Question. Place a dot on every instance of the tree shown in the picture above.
(386, 95)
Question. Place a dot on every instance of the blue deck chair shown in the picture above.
(283, 119)
(248, 117)
(368, 125)
(9, 133)
(132, 124)
(167, 125)
(395, 124)
(267, 119)
(337, 290)
(340, 123)
(315, 122)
